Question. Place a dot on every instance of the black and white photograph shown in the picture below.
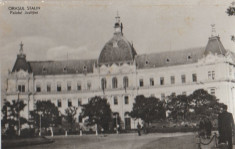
(117, 74)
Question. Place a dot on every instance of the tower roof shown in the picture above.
(21, 62)
(215, 46)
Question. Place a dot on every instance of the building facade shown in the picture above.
(120, 74)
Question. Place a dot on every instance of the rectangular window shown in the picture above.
(38, 88)
(69, 103)
(59, 103)
(209, 74)
(48, 87)
(172, 79)
(213, 75)
(194, 77)
(115, 101)
(58, 87)
(183, 78)
(163, 96)
(79, 87)
(151, 82)
(79, 119)
(89, 85)
(162, 81)
(69, 87)
(141, 82)
(21, 88)
(126, 100)
(212, 91)
(79, 102)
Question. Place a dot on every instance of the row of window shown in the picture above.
(59, 87)
(21, 88)
(172, 78)
(126, 100)
(114, 82)
(163, 96)
(79, 103)
(69, 103)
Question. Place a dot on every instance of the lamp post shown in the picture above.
(28, 106)
(117, 123)
(40, 125)
(18, 111)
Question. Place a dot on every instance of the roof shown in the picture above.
(118, 49)
(169, 58)
(62, 67)
(215, 46)
(21, 63)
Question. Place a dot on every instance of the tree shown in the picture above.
(204, 103)
(148, 109)
(11, 116)
(70, 113)
(231, 12)
(49, 114)
(178, 107)
(97, 111)
(231, 9)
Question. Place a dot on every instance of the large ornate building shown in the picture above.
(120, 74)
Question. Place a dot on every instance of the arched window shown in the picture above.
(103, 83)
(125, 82)
(114, 82)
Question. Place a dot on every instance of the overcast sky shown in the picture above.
(81, 28)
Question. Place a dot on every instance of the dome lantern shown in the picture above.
(118, 25)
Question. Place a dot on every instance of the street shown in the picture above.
(121, 141)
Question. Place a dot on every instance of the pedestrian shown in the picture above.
(208, 127)
(225, 127)
(138, 129)
(118, 129)
(202, 127)
(102, 130)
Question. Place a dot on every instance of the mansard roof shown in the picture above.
(118, 49)
(21, 64)
(215, 46)
(169, 58)
(62, 67)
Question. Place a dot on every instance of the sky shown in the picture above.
(79, 29)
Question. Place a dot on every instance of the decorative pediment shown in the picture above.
(126, 68)
(22, 74)
(213, 58)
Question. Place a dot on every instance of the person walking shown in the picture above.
(225, 127)
(208, 127)
(138, 129)
(202, 127)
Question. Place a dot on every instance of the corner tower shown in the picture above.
(21, 63)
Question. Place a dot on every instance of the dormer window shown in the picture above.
(167, 60)
(44, 70)
(64, 69)
(189, 57)
(115, 45)
(84, 68)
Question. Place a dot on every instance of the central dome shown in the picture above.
(116, 50)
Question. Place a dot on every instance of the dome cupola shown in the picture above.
(118, 49)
